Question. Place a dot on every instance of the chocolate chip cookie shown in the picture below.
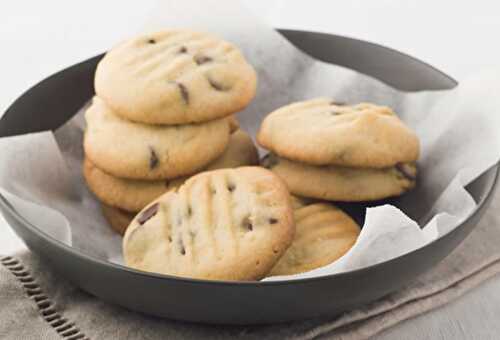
(324, 132)
(323, 233)
(175, 77)
(132, 150)
(338, 183)
(229, 224)
(133, 195)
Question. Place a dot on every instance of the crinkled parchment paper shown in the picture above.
(40, 174)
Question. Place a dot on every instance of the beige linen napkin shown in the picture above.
(35, 303)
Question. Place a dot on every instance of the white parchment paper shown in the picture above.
(40, 174)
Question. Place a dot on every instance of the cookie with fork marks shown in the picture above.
(134, 194)
(325, 132)
(229, 224)
(175, 77)
(323, 234)
(150, 152)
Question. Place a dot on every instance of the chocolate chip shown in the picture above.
(182, 249)
(273, 220)
(167, 183)
(169, 238)
(247, 224)
(189, 211)
(403, 170)
(148, 213)
(269, 161)
(184, 92)
(153, 158)
(341, 155)
(333, 102)
(151, 41)
(182, 49)
(217, 85)
(201, 59)
(231, 187)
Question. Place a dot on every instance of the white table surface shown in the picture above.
(458, 37)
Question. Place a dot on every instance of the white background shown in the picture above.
(458, 37)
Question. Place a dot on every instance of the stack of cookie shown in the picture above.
(163, 111)
(331, 151)
(236, 224)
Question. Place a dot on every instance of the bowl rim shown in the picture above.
(376, 45)
(115, 266)
(156, 276)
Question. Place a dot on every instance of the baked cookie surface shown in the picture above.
(323, 233)
(338, 183)
(175, 77)
(234, 124)
(131, 150)
(118, 219)
(133, 195)
(322, 132)
(229, 224)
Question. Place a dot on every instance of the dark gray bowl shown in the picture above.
(236, 302)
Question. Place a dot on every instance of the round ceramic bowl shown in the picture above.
(236, 302)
